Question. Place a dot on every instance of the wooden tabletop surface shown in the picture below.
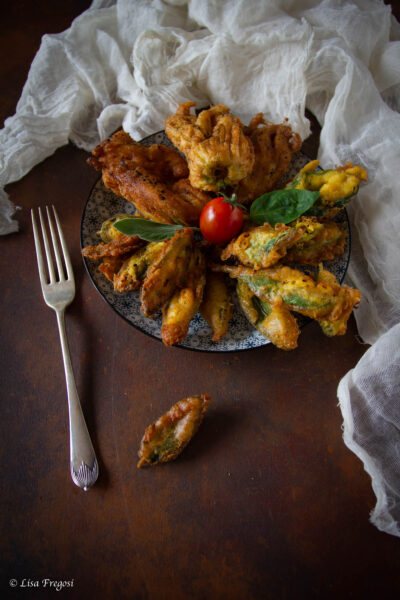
(266, 501)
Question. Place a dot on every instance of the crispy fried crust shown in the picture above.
(148, 177)
(326, 245)
(133, 270)
(262, 246)
(110, 266)
(165, 439)
(216, 307)
(321, 298)
(274, 146)
(167, 273)
(274, 321)
(180, 309)
(219, 153)
(117, 247)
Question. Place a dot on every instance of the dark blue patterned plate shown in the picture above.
(102, 204)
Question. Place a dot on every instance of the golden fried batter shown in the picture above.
(110, 266)
(168, 272)
(218, 152)
(306, 241)
(148, 177)
(133, 270)
(216, 307)
(322, 299)
(327, 244)
(336, 187)
(108, 232)
(165, 439)
(262, 246)
(180, 309)
(184, 129)
(274, 321)
(123, 244)
(114, 248)
(274, 146)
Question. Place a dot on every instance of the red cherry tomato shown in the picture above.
(220, 221)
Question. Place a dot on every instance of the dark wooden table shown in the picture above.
(266, 502)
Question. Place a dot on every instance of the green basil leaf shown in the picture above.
(282, 206)
(147, 230)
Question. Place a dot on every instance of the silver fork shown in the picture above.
(58, 293)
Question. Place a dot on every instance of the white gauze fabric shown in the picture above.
(130, 63)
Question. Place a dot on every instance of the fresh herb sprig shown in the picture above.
(147, 230)
(282, 206)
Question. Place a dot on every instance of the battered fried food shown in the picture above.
(121, 245)
(216, 307)
(336, 186)
(326, 242)
(108, 232)
(322, 299)
(165, 439)
(262, 246)
(274, 321)
(110, 266)
(133, 270)
(274, 146)
(185, 130)
(121, 150)
(180, 309)
(218, 152)
(168, 272)
(149, 177)
(172, 275)
(306, 241)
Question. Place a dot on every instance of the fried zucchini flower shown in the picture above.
(336, 187)
(165, 439)
(218, 152)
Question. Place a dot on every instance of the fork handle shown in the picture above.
(84, 466)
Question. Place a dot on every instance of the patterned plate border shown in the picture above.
(102, 203)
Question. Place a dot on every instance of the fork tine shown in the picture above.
(47, 248)
(67, 260)
(39, 253)
(60, 268)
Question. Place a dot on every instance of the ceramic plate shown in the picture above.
(102, 204)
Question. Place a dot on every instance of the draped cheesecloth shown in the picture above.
(131, 62)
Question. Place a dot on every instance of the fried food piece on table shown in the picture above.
(216, 307)
(218, 152)
(336, 186)
(180, 309)
(148, 177)
(165, 439)
(167, 272)
(274, 321)
(274, 145)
